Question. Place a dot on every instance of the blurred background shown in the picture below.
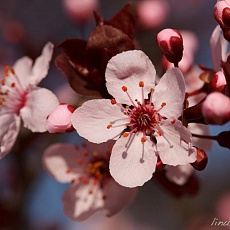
(29, 198)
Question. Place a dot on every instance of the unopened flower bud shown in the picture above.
(59, 120)
(218, 82)
(152, 13)
(202, 160)
(222, 16)
(80, 11)
(216, 108)
(171, 44)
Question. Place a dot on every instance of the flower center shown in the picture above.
(98, 169)
(142, 116)
(12, 94)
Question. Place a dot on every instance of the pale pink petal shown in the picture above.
(117, 197)
(174, 145)
(218, 48)
(23, 69)
(79, 205)
(132, 162)
(170, 90)
(201, 129)
(41, 65)
(39, 103)
(179, 174)
(128, 69)
(60, 161)
(9, 126)
(92, 118)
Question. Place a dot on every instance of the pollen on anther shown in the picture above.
(124, 88)
(163, 104)
(125, 134)
(12, 70)
(113, 101)
(159, 133)
(143, 139)
(79, 160)
(13, 84)
(151, 89)
(84, 153)
(109, 126)
(68, 170)
(141, 84)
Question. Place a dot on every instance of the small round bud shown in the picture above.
(59, 120)
(171, 44)
(223, 139)
(202, 160)
(216, 108)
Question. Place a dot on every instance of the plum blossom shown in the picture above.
(142, 117)
(92, 188)
(21, 99)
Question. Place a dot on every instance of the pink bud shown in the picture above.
(222, 16)
(80, 10)
(171, 44)
(218, 82)
(59, 120)
(152, 13)
(216, 108)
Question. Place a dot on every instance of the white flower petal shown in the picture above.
(59, 160)
(133, 163)
(128, 69)
(39, 103)
(41, 64)
(79, 205)
(9, 126)
(170, 90)
(22, 69)
(179, 174)
(92, 118)
(174, 145)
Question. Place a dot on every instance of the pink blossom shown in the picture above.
(152, 13)
(80, 11)
(59, 120)
(92, 188)
(216, 108)
(142, 118)
(21, 98)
